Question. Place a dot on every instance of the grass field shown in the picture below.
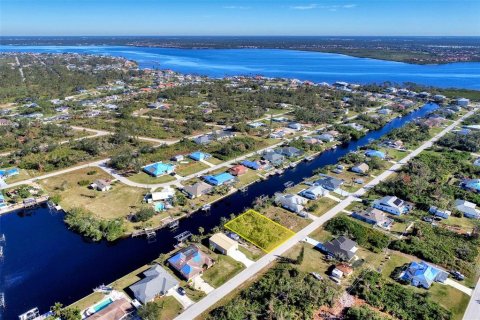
(286, 218)
(224, 269)
(259, 230)
(117, 202)
(142, 177)
(186, 169)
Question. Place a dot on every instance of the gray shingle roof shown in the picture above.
(157, 281)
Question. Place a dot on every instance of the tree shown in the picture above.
(144, 214)
(150, 311)
(201, 230)
(301, 256)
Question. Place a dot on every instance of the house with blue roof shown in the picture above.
(251, 164)
(421, 274)
(199, 156)
(375, 154)
(190, 262)
(471, 185)
(6, 173)
(219, 179)
(159, 168)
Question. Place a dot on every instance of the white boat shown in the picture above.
(103, 288)
(30, 314)
(206, 207)
(288, 184)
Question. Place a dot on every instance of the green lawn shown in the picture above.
(259, 230)
(322, 205)
(450, 298)
(247, 178)
(252, 252)
(224, 269)
(142, 177)
(186, 169)
(170, 307)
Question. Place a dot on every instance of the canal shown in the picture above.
(44, 262)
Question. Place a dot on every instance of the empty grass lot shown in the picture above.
(224, 269)
(259, 230)
(142, 177)
(186, 169)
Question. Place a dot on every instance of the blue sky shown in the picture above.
(247, 17)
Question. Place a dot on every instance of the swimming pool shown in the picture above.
(102, 305)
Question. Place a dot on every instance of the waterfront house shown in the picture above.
(274, 158)
(178, 158)
(238, 170)
(391, 204)
(374, 217)
(439, 213)
(190, 262)
(329, 183)
(222, 243)
(196, 190)
(291, 202)
(156, 282)
(3, 202)
(375, 154)
(312, 140)
(256, 125)
(251, 164)
(326, 137)
(290, 152)
(355, 126)
(341, 248)
(116, 310)
(361, 168)
(421, 274)
(199, 156)
(314, 192)
(468, 209)
(101, 185)
(219, 179)
(385, 111)
(159, 168)
(166, 193)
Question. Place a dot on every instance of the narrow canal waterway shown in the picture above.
(44, 262)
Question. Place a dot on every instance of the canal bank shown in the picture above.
(44, 262)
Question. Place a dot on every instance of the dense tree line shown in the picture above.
(465, 142)
(89, 226)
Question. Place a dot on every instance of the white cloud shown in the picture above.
(236, 7)
(306, 7)
(317, 6)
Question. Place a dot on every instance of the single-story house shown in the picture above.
(238, 170)
(9, 172)
(477, 162)
(344, 268)
(312, 140)
(3, 203)
(329, 183)
(314, 192)
(251, 164)
(159, 168)
(463, 102)
(471, 185)
(355, 126)
(166, 194)
(156, 282)
(373, 216)
(361, 168)
(196, 190)
(290, 152)
(203, 140)
(375, 154)
(190, 262)
(391, 204)
(178, 158)
(384, 111)
(295, 126)
(468, 209)
(274, 157)
(222, 243)
(117, 310)
(342, 248)
(256, 124)
(439, 213)
(219, 179)
(101, 185)
(326, 137)
(421, 274)
(199, 156)
(291, 202)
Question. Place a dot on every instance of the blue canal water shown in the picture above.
(303, 65)
(45, 262)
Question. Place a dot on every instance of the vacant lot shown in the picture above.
(224, 268)
(259, 230)
(73, 189)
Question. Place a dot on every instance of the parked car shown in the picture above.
(316, 275)
(302, 214)
(181, 291)
(427, 219)
(457, 275)
(233, 235)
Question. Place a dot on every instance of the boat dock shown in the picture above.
(25, 204)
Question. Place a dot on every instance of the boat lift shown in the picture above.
(2, 300)
(2, 238)
(183, 236)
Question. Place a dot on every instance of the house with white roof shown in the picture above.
(391, 204)
(468, 209)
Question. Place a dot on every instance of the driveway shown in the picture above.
(183, 300)
(456, 285)
(311, 241)
(241, 257)
(200, 284)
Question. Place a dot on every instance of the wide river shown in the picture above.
(303, 65)
(45, 262)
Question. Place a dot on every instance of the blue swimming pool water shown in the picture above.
(102, 305)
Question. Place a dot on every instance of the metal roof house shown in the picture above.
(190, 262)
(9, 172)
(421, 274)
(471, 185)
(159, 168)
(329, 183)
(251, 164)
(219, 179)
(375, 154)
(314, 192)
(391, 204)
(468, 209)
(157, 282)
(199, 156)
(361, 168)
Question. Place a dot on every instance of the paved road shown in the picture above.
(473, 308)
(216, 295)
